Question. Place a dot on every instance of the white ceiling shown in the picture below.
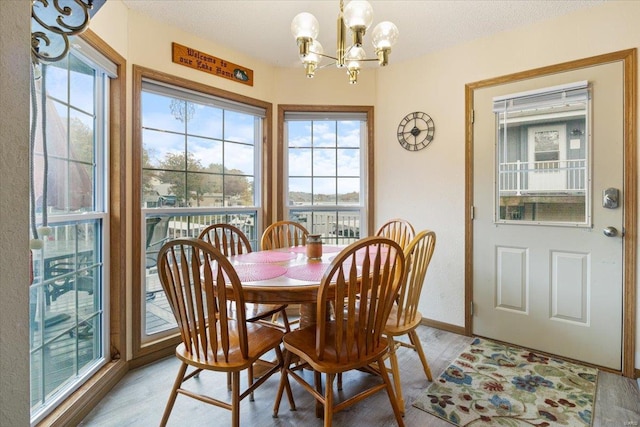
(261, 28)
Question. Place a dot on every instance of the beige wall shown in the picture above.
(14, 212)
(434, 177)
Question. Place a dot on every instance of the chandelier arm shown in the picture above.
(327, 56)
(326, 65)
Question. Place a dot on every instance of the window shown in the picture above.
(543, 156)
(68, 295)
(326, 175)
(200, 163)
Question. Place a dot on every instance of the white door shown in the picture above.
(545, 275)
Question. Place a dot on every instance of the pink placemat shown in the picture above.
(325, 249)
(308, 272)
(265, 256)
(256, 272)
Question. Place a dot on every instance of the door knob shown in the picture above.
(610, 231)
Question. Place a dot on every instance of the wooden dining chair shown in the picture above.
(199, 283)
(230, 240)
(397, 229)
(353, 339)
(283, 234)
(405, 317)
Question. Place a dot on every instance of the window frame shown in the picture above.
(144, 350)
(368, 163)
(77, 404)
(97, 216)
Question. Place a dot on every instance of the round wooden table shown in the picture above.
(284, 276)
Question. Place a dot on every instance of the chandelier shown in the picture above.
(356, 17)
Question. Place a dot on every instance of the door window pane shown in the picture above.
(542, 157)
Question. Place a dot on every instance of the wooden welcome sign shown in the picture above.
(197, 60)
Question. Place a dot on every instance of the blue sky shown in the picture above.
(335, 151)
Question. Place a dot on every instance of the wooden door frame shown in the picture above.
(629, 59)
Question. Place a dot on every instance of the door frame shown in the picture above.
(629, 59)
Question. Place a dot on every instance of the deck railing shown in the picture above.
(549, 176)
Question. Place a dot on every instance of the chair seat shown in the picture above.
(302, 342)
(394, 329)
(260, 340)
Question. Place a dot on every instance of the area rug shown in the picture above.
(492, 384)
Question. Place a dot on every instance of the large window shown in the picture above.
(200, 163)
(69, 226)
(326, 176)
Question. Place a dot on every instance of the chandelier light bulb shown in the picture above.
(354, 56)
(312, 59)
(358, 13)
(315, 52)
(384, 35)
(305, 25)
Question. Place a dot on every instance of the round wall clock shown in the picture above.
(416, 131)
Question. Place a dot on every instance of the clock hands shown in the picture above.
(415, 131)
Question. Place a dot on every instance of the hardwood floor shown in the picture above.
(139, 399)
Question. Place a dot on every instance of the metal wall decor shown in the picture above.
(53, 21)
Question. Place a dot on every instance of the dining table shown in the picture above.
(284, 276)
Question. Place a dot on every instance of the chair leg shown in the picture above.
(392, 398)
(339, 385)
(250, 380)
(285, 320)
(235, 399)
(395, 371)
(292, 404)
(275, 317)
(284, 382)
(317, 380)
(416, 342)
(228, 381)
(174, 394)
(328, 400)
(413, 343)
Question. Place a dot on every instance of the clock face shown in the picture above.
(416, 131)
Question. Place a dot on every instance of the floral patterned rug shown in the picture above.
(493, 384)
